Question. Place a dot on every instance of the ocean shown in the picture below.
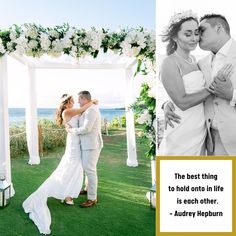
(17, 115)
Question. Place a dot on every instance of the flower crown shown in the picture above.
(65, 97)
(177, 17)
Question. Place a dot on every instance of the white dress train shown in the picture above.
(188, 137)
(65, 181)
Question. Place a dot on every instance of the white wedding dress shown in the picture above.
(188, 137)
(65, 181)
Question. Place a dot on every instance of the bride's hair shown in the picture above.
(65, 99)
(172, 30)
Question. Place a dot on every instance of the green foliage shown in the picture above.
(118, 122)
(53, 136)
(144, 102)
(18, 143)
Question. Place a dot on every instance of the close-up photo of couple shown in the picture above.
(199, 109)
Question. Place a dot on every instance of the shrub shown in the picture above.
(18, 143)
(53, 136)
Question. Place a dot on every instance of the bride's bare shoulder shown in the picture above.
(169, 63)
(67, 114)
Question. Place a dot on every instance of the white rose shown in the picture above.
(145, 117)
(126, 48)
(141, 39)
(66, 42)
(54, 34)
(33, 44)
(21, 44)
(94, 39)
(32, 34)
(21, 41)
(2, 49)
(10, 46)
(44, 41)
(20, 49)
(75, 39)
(73, 51)
(13, 35)
(57, 45)
(45, 44)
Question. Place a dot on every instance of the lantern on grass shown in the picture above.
(153, 196)
(5, 192)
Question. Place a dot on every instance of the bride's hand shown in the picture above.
(222, 75)
(67, 127)
(95, 101)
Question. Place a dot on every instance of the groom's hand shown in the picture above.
(223, 89)
(170, 115)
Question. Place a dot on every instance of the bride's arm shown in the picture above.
(173, 84)
(77, 111)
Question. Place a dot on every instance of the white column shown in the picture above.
(5, 159)
(31, 119)
(130, 129)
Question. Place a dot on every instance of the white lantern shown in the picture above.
(5, 192)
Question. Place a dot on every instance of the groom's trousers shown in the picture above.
(218, 147)
(89, 162)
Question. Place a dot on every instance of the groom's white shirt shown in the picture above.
(90, 129)
(218, 111)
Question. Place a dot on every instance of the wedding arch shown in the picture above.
(65, 47)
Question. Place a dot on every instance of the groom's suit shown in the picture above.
(91, 145)
(219, 109)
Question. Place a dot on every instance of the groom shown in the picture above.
(91, 144)
(220, 109)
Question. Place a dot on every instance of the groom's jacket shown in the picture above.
(90, 129)
(225, 114)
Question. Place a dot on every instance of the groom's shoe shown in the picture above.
(83, 192)
(89, 203)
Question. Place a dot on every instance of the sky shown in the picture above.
(166, 8)
(107, 86)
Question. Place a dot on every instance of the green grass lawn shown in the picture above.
(123, 209)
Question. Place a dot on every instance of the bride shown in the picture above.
(185, 84)
(66, 181)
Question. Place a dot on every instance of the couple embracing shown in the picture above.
(83, 146)
(200, 116)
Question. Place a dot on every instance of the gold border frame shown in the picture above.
(233, 233)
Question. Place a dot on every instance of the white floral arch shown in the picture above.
(37, 47)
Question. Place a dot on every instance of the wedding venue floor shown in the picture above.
(123, 209)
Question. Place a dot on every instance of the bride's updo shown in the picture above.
(174, 26)
(65, 99)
